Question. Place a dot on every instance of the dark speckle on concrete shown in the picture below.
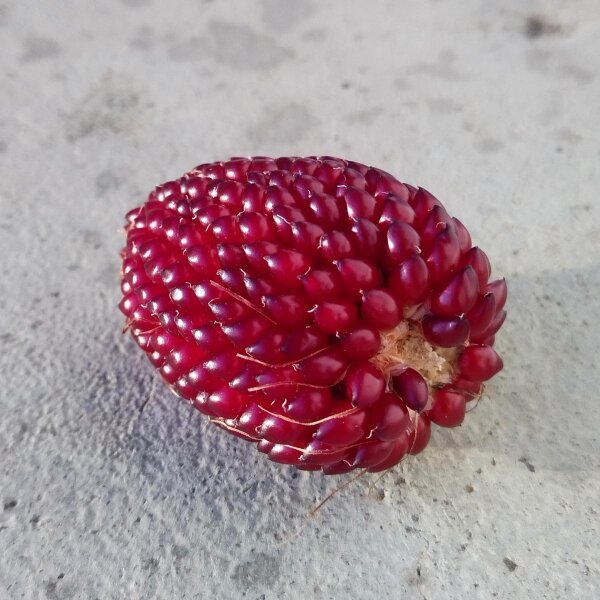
(526, 462)
(58, 590)
(259, 569)
(469, 488)
(106, 182)
(576, 73)
(151, 565)
(489, 145)
(366, 116)
(282, 15)
(401, 83)
(91, 238)
(444, 106)
(447, 56)
(280, 124)
(189, 50)
(577, 209)
(144, 40)
(4, 10)
(231, 45)
(314, 35)
(10, 504)
(39, 48)
(110, 107)
(108, 275)
(537, 26)
(180, 552)
(510, 564)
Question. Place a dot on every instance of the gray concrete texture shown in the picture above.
(494, 106)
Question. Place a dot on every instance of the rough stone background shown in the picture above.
(494, 106)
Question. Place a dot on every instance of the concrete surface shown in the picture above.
(492, 105)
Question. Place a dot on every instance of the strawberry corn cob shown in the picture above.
(316, 307)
